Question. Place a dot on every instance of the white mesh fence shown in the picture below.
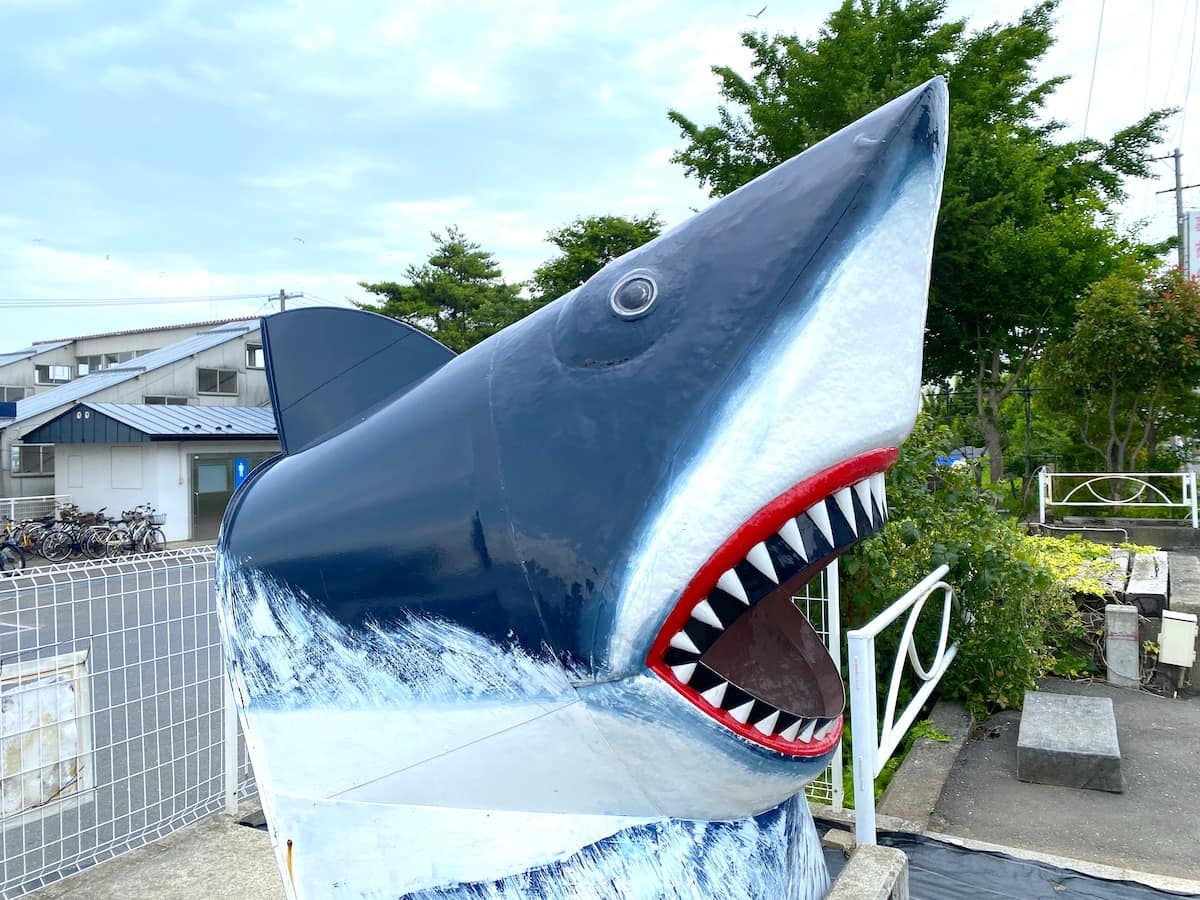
(20, 508)
(819, 602)
(112, 712)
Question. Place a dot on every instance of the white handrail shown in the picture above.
(1136, 480)
(872, 748)
(44, 502)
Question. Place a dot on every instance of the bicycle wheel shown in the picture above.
(11, 559)
(95, 542)
(153, 541)
(57, 546)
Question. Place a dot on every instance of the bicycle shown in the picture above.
(12, 558)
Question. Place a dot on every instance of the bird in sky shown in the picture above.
(757, 14)
(301, 240)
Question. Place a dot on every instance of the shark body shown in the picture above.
(538, 596)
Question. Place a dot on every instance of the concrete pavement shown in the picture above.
(1154, 826)
(215, 859)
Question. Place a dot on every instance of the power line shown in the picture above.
(1178, 44)
(1149, 59)
(1095, 59)
(1191, 65)
(84, 302)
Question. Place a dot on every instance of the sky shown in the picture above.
(229, 149)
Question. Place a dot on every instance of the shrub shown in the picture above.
(1014, 592)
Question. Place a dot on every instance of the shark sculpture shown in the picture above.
(519, 622)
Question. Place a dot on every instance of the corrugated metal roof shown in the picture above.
(189, 421)
(88, 337)
(131, 423)
(33, 350)
(45, 401)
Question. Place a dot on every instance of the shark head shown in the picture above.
(629, 486)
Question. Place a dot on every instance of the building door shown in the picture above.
(213, 483)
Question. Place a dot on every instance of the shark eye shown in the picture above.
(633, 295)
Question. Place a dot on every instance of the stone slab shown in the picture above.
(1069, 740)
(1147, 585)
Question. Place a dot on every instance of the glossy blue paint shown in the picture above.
(463, 610)
(500, 489)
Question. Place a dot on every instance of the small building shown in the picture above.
(209, 366)
(186, 461)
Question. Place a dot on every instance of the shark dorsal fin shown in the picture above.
(326, 366)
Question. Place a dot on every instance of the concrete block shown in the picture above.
(838, 839)
(1147, 585)
(873, 873)
(1114, 583)
(1069, 740)
(1122, 646)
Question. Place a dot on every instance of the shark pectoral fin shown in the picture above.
(326, 366)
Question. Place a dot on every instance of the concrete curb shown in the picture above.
(915, 788)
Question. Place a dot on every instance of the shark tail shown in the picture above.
(326, 367)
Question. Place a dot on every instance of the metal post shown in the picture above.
(1192, 489)
(833, 627)
(1179, 212)
(231, 748)
(864, 737)
(1042, 495)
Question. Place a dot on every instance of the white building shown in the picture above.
(186, 461)
(207, 366)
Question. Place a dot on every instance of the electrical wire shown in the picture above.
(1191, 67)
(1178, 44)
(86, 302)
(1095, 59)
(1149, 59)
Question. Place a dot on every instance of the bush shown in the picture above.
(1014, 592)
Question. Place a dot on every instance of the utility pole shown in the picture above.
(1178, 190)
(284, 297)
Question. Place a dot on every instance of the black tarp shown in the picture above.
(940, 871)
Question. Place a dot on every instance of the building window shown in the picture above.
(88, 365)
(254, 356)
(217, 381)
(32, 459)
(53, 374)
(11, 394)
(165, 401)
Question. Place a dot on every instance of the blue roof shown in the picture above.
(131, 422)
(79, 388)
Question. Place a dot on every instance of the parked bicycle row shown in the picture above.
(75, 534)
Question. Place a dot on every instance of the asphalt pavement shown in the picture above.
(152, 704)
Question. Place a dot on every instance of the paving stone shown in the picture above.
(1069, 740)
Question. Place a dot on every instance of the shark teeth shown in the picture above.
(825, 528)
(746, 709)
(798, 547)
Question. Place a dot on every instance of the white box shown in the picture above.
(1177, 641)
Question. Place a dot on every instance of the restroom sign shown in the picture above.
(241, 468)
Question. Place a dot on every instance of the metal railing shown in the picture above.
(873, 746)
(1132, 489)
(18, 508)
(821, 604)
(114, 712)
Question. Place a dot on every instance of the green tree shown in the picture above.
(1025, 224)
(1129, 368)
(587, 245)
(458, 296)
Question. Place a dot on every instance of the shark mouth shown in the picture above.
(736, 645)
